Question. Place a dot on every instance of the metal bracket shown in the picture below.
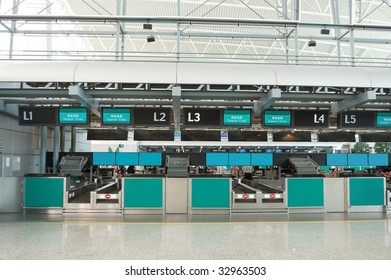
(262, 104)
(347, 104)
(176, 105)
(84, 99)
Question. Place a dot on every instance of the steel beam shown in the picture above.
(265, 102)
(176, 105)
(34, 93)
(9, 109)
(42, 161)
(86, 100)
(352, 103)
(56, 147)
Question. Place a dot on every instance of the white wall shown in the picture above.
(20, 148)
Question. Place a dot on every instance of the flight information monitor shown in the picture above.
(383, 119)
(237, 117)
(73, 116)
(116, 116)
(277, 118)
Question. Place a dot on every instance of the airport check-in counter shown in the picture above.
(143, 194)
(45, 192)
(157, 194)
(366, 194)
(350, 194)
(209, 194)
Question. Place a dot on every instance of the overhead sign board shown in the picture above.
(38, 115)
(116, 116)
(357, 119)
(277, 118)
(237, 117)
(310, 118)
(152, 116)
(73, 116)
(383, 119)
(201, 117)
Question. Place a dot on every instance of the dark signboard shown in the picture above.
(357, 119)
(38, 116)
(152, 116)
(311, 118)
(201, 117)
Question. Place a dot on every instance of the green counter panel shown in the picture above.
(43, 192)
(143, 192)
(210, 193)
(366, 191)
(306, 192)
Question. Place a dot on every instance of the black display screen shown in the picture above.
(107, 134)
(154, 135)
(336, 137)
(247, 136)
(298, 136)
(192, 135)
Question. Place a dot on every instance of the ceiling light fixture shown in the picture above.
(147, 26)
(311, 43)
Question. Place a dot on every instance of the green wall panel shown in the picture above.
(366, 191)
(43, 192)
(210, 193)
(143, 192)
(305, 192)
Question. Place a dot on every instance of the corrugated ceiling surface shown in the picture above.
(227, 41)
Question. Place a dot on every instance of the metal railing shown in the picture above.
(192, 57)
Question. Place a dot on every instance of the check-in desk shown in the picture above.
(209, 194)
(348, 194)
(45, 192)
(366, 194)
(143, 194)
(157, 194)
(305, 194)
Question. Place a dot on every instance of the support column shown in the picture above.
(13, 28)
(176, 106)
(352, 10)
(178, 32)
(56, 148)
(73, 140)
(42, 166)
(62, 139)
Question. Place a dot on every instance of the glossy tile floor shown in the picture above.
(183, 237)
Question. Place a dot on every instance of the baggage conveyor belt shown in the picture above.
(267, 189)
(257, 198)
